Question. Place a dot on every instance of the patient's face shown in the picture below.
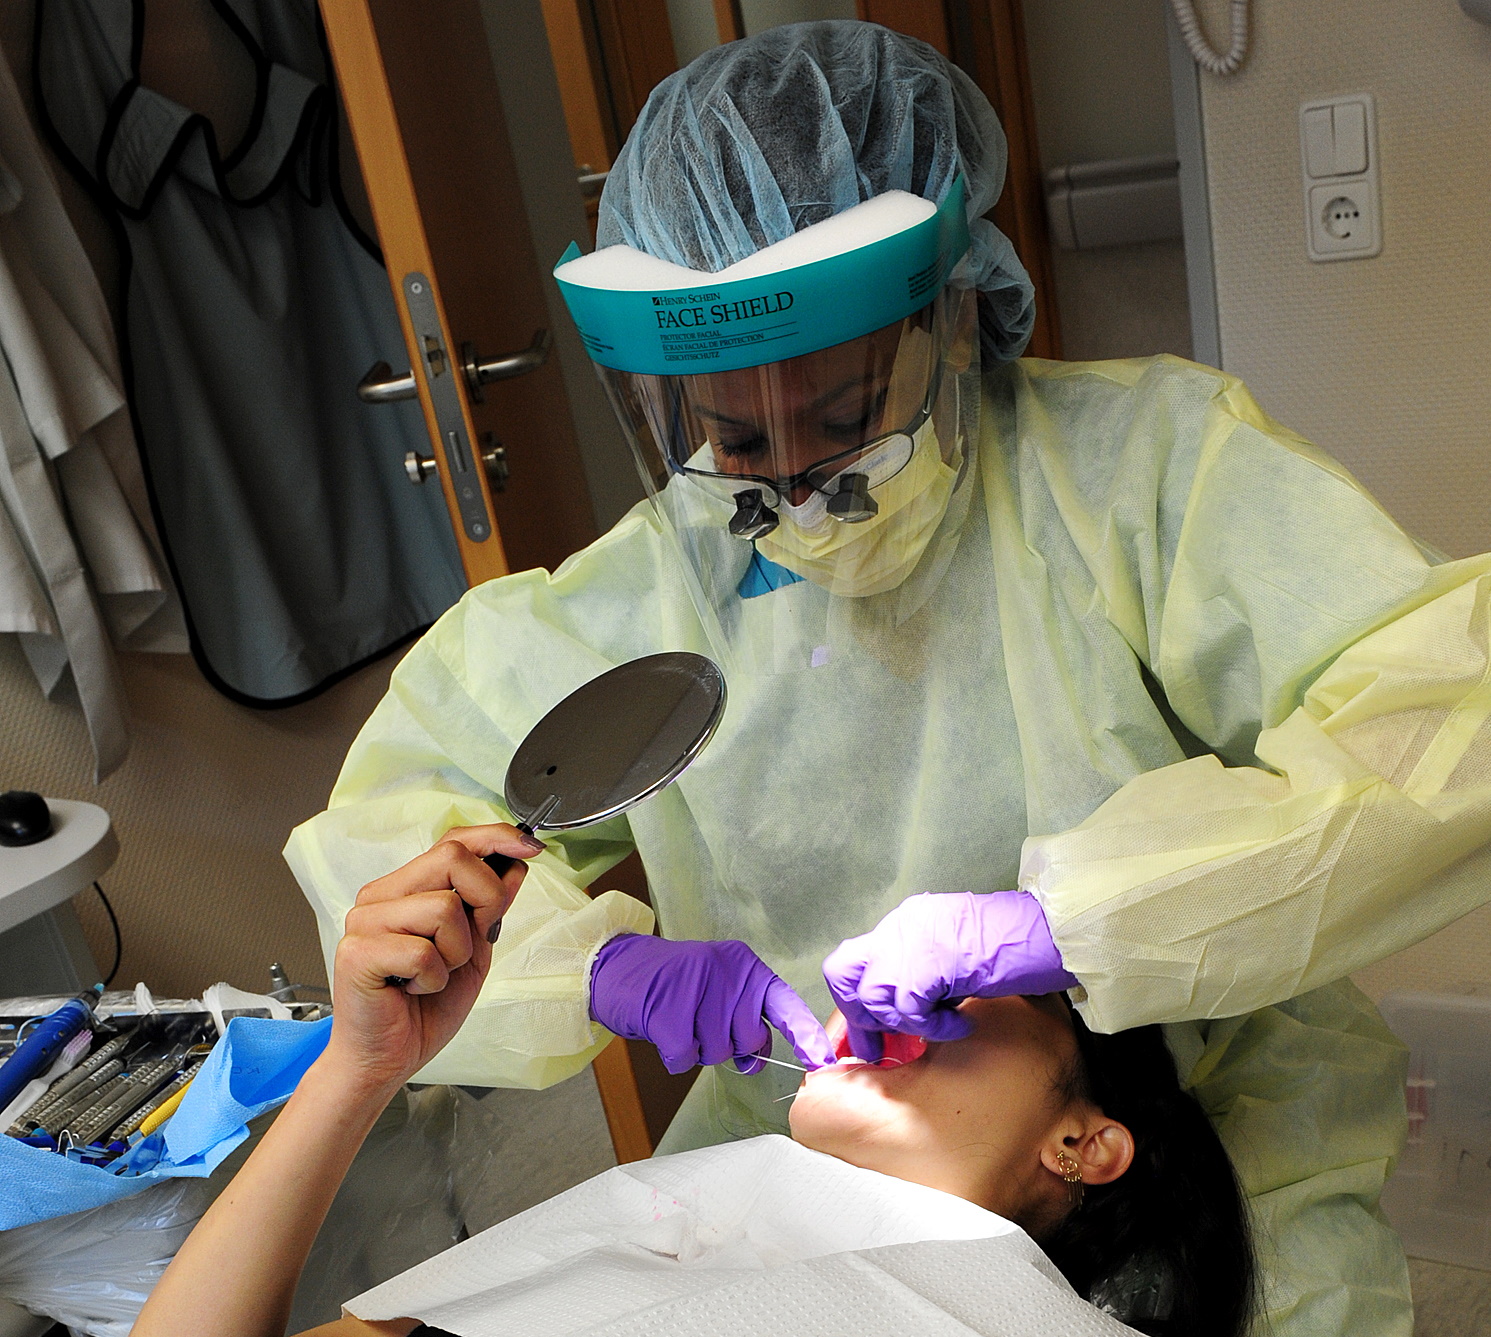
(968, 1117)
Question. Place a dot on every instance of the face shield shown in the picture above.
(802, 420)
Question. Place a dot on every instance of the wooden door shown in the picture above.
(426, 117)
(986, 39)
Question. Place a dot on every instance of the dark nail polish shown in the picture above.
(534, 844)
(495, 931)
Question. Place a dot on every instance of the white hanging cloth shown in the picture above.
(79, 561)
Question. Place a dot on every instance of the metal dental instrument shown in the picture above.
(178, 1084)
(765, 1058)
(610, 744)
(781, 1063)
(79, 1100)
(85, 1070)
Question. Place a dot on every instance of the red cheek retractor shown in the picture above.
(899, 1048)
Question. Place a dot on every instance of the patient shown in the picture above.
(1086, 1141)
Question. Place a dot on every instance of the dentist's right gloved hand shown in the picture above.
(700, 1002)
(909, 972)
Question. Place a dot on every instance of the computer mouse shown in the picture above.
(24, 817)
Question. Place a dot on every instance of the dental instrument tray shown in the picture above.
(125, 1072)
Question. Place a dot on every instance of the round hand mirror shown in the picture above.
(615, 741)
(610, 744)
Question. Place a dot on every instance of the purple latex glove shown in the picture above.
(700, 1002)
(909, 972)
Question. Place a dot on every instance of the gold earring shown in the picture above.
(1071, 1174)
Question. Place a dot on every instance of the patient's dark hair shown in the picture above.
(1165, 1247)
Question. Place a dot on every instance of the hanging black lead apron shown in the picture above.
(252, 307)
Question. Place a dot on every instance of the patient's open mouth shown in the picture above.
(899, 1049)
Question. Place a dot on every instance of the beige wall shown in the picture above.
(1384, 361)
(1100, 79)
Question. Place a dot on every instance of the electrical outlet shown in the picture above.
(1343, 221)
(1338, 160)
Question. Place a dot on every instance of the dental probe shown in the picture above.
(730, 1063)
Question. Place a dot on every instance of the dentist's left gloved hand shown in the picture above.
(910, 971)
(700, 1002)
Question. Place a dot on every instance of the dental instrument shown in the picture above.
(34, 1055)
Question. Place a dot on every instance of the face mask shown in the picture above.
(877, 554)
(811, 517)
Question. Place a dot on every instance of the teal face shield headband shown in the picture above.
(713, 326)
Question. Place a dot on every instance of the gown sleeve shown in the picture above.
(1308, 1099)
(433, 755)
(1342, 679)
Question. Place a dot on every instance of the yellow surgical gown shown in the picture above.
(1183, 680)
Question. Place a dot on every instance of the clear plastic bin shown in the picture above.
(1439, 1198)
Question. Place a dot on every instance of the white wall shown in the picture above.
(760, 15)
(1384, 362)
(1101, 85)
(694, 29)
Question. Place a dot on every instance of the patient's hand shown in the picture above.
(428, 923)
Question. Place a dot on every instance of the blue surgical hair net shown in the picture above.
(760, 138)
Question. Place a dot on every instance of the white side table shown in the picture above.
(42, 949)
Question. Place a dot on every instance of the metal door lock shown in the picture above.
(381, 386)
(494, 461)
(419, 467)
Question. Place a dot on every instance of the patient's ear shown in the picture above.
(1103, 1150)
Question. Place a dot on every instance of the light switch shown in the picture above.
(1319, 141)
(1338, 161)
(1350, 119)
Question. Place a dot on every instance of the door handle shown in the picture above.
(380, 386)
(480, 373)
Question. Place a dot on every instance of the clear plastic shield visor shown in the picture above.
(821, 434)
(839, 473)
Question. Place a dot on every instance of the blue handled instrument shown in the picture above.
(34, 1055)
